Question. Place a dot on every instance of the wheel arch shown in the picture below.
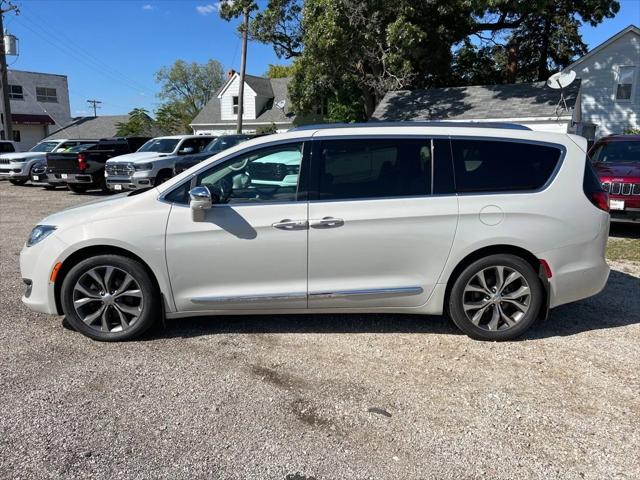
(523, 253)
(92, 251)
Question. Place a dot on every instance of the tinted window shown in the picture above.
(6, 147)
(374, 168)
(621, 151)
(493, 166)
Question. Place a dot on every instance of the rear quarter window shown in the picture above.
(502, 166)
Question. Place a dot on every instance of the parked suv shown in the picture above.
(153, 163)
(213, 148)
(16, 167)
(492, 226)
(616, 159)
(82, 168)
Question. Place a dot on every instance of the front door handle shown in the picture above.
(327, 222)
(288, 224)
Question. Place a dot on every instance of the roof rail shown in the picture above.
(438, 123)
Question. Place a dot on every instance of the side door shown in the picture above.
(382, 218)
(249, 251)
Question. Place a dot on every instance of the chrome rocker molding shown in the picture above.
(393, 292)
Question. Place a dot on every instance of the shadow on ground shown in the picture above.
(617, 306)
(624, 230)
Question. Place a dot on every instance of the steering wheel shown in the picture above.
(241, 166)
(223, 188)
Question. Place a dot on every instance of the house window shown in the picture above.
(16, 136)
(15, 92)
(46, 94)
(323, 107)
(235, 105)
(624, 85)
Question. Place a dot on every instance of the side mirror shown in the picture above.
(200, 201)
(186, 151)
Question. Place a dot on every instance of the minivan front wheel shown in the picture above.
(496, 298)
(110, 298)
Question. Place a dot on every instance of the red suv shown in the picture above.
(616, 158)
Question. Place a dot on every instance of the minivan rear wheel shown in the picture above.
(496, 298)
(110, 298)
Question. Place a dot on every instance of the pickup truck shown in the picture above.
(16, 167)
(83, 168)
(218, 145)
(153, 163)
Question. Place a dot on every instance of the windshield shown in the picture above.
(222, 143)
(617, 152)
(160, 145)
(44, 147)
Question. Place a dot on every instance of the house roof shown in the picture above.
(480, 102)
(104, 126)
(273, 88)
(605, 44)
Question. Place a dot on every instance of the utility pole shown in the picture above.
(243, 67)
(95, 104)
(8, 131)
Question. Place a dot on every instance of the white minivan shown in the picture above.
(491, 225)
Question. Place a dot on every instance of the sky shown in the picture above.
(111, 49)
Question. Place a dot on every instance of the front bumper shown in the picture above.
(120, 184)
(14, 171)
(628, 215)
(36, 264)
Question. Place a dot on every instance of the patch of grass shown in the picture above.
(623, 249)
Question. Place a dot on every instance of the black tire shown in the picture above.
(13, 181)
(148, 309)
(503, 331)
(77, 188)
(162, 177)
(102, 184)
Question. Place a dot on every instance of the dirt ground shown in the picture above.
(317, 397)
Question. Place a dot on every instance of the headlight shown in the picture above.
(39, 233)
(143, 166)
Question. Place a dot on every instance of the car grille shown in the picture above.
(618, 188)
(4, 161)
(125, 169)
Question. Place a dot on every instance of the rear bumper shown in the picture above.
(579, 271)
(65, 178)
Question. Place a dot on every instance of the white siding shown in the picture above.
(226, 101)
(598, 73)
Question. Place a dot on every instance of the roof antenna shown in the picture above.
(559, 81)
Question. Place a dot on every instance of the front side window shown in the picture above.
(623, 151)
(46, 94)
(266, 175)
(351, 169)
(160, 145)
(624, 85)
(44, 147)
(498, 166)
(15, 92)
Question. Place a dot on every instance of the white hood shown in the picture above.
(138, 157)
(23, 155)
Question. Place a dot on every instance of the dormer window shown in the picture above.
(624, 85)
(235, 105)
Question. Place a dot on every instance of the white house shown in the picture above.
(609, 94)
(39, 105)
(265, 102)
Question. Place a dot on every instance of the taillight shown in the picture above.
(82, 162)
(600, 200)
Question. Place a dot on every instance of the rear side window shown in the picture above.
(497, 166)
(350, 169)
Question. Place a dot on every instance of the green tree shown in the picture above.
(279, 71)
(185, 88)
(139, 124)
(279, 24)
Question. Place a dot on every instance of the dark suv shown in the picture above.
(616, 159)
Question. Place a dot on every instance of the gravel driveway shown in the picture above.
(315, 397)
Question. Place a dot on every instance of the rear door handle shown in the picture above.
(288, 224)
(327, 222)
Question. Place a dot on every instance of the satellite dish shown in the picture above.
(281, 104)
(560, 80)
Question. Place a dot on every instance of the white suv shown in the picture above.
(491, 226)
(152, 164)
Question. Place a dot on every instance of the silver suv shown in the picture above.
(153, 163)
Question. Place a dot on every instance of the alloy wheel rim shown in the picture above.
(108, 299)
(496, 298)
